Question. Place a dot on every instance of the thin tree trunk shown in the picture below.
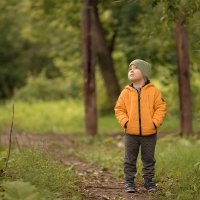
(89, 70)
(183, 78)
(105, 60)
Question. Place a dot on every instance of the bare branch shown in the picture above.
(10, 136)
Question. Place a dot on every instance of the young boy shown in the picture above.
(140, 110)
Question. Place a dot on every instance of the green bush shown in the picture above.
(42, 88)
(19, 190)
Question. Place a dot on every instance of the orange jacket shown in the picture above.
(140, 114)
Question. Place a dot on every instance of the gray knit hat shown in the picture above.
(143, 66)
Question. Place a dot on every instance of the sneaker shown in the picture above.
(129, 187)
(150, 185)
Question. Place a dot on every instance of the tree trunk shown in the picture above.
(183, 79)
(105, 61)
(89, 70)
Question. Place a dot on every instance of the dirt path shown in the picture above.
(97, 184)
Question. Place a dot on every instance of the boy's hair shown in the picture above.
(143, 66)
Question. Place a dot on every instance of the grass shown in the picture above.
(63, 117)
(44, 117)
(177, 166)
(51, 117)
(51, 179)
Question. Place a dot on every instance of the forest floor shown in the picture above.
(96, 183)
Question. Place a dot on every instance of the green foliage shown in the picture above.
(175, 10)
(135, 37)
(37, 36)
(19, 190)
(52, 180)
(42, 88)
(11, 48)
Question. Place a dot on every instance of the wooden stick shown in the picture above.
(10, 136)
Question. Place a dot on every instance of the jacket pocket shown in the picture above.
(154, 125)
(125, 127)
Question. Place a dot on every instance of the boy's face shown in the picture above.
(134, 74)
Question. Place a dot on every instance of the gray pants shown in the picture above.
(132, 146)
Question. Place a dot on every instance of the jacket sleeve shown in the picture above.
(160, 109)
(120, 110)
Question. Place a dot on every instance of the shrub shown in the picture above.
(42, 88)
(16, 190)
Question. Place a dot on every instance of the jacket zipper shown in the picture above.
(139, 112)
